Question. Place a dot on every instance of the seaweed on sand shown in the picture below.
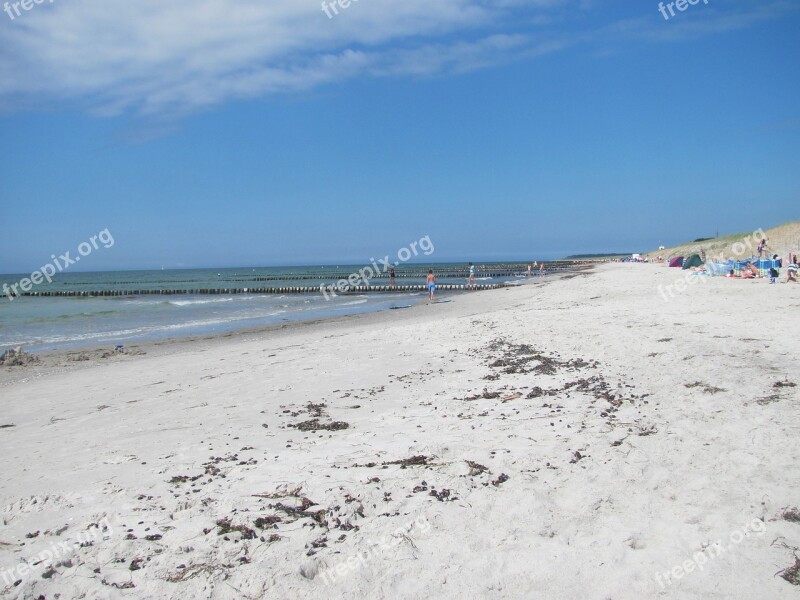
(792, 573)
(475, 468)
(708, 389)
(195, 570)
(268, 522)
(792, 515)
(225, 526)
(413, 461)
(502, 479)
(301, 512)
(316, 410)
(315, 425)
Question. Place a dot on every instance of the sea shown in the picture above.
(58, 323)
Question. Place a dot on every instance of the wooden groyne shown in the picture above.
(405, 274)
(322, 288)
(358, 289)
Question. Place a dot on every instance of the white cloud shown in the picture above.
(164, 57)
(169, 56)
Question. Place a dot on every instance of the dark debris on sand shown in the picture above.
(708, 389)
(316, 425)
(792, 515)
(792, 573)
(444, 495)
(268, 522)
(317, 411)
(502, 479)
(225, 526)
(518, 358)
(776, 395)
(524, 358)
(475, 468)
(413, 461)
(302, 512)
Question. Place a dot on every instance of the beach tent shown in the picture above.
(676, 262)
(693, 261)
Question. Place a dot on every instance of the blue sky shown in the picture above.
(264, 133)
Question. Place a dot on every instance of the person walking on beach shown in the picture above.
(529, 270)
(541, 270)
(391, 277)
(431, 282)
(471, 280)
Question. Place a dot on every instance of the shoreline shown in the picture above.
(45, 323)
(64, 360)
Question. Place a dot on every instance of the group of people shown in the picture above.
(750, 271)
(532, 268)
(430, 281)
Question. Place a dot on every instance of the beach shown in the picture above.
(586, 437)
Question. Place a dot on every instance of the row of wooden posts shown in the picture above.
(273, 290)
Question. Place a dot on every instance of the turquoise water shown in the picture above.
(49, 323)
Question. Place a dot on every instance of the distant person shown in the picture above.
(762, 245)
(773, 274)
(791, 272)
(431, 282)
(530, 266)
(541, 270)
(391, 276)
(471, 275)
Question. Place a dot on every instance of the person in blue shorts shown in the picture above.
(431, 281)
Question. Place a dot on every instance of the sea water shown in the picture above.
(51, 323)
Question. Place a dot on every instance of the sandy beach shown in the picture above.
(582, 438)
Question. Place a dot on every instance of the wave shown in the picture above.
(193, 302)
(218, 300)
(353, 302)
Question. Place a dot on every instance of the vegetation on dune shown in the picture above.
(783, 239)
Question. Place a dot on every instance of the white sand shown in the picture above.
(100, 444)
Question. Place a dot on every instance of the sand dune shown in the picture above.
(783, 240)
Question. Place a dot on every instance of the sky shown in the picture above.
(264, 132)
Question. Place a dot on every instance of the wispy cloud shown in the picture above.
(713, 19)
(158, 58)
